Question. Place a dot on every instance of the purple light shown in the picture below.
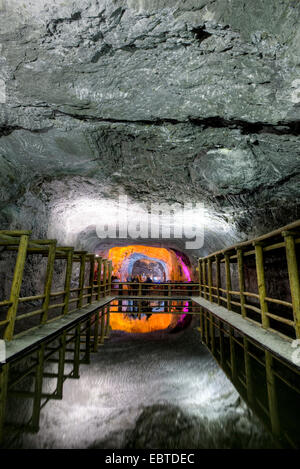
(184, 268)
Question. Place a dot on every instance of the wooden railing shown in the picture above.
(225, 277)
(51, 304)
(150, 305)
(258, 258)
(169, 289)
(56, 357)
(269, 384)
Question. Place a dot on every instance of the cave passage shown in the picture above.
(141, 267)
(255, 356)
(149, 154)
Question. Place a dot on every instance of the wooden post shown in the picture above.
(81, 279)
(16, 287)
(68, 280)
(240, 261)
(228, 280)
(209, 268)
(96, 331)
(91, 280)
(272, 395)
(199, 273)
(3, 398)
(212, 333)
(109, 277)
(206, 329)
(222, 354)
(232, 354)
(75, 373)
(104, 276)
(204, 278)
(61, 366)
(99, 261)
(218, 278)
(293, 270)
(102, 331)
(204, 336)
(38, 389)
(48, 282)
(261, 283)
(248, 372)
(107, 328)
(201, 323)
(87, 355)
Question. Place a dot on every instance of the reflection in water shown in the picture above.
(270, 384)
(146, 391)
(133, 315)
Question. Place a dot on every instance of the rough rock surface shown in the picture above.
(162, 100)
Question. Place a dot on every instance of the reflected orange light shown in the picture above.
(156, 322)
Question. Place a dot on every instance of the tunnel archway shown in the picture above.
(175, 264)
(148, 263)
(149, 269)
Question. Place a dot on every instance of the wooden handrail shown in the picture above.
(264, 237)
(286, 239)
(21, 242)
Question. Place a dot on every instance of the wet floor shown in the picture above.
(157, 391)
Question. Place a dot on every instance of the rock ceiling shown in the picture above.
(164, 101)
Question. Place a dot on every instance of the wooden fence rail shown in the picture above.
(232, 263)
(54, 304)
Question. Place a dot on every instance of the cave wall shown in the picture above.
(160, 100)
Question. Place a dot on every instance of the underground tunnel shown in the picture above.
(146, 264)
(149, 224)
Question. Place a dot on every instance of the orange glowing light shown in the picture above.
(118, 256)
(156, 322)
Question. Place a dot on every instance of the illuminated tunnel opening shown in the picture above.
(144, 263)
